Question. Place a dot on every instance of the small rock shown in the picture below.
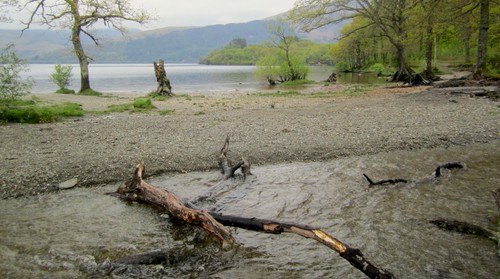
(68, 184)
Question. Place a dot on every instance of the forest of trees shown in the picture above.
(243, 54)
(397, 35)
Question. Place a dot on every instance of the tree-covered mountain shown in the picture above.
(173, 44)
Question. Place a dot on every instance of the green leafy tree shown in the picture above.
(390, 17)
(289, 64)
(62, 77)
(12, 84)
(80, 17)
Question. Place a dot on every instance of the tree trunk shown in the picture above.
(404, 70)
(428, 50)
(164, 87)
(77, 45)
(482, 44)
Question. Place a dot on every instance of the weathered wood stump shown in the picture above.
(332, 78)
(164, 87)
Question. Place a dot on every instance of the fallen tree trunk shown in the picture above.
(138, 190)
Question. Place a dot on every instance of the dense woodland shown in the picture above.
(442, 31)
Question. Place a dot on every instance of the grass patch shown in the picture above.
(65, 91)
(199, 113)
(297, 82)
(144, 104)
(139, 105)
(280, 94)
(164, 112)
(32, 112)
(120, 108)
(90, 92)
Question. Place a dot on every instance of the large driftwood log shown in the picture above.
(138, 190)
(164, 88)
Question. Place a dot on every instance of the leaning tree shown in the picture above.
(390, 17)
(80, 16)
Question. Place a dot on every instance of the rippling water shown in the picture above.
(62, 234)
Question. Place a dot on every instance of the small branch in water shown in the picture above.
(382, 182)
(448, 166)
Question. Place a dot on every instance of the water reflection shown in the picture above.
(55, 235)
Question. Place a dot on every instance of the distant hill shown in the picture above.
(173, 44)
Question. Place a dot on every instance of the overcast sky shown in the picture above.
(204, 12)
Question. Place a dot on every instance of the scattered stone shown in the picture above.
(68, 184)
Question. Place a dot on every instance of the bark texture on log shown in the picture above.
(164, 88)
(138, 190)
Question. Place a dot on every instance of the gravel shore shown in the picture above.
(99, 149)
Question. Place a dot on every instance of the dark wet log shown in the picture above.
(164, 88)
(440, 170)
(463, 227)
(382, 182)
(138, 190)
(352, 255)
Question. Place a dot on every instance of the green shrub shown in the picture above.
(62, 77)
(12, 85)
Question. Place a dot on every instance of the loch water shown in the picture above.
(78, 232)
(139, 79)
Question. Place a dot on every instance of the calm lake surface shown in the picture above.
(77, 233)
(139, 79)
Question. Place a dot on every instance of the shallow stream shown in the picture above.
(81, 232)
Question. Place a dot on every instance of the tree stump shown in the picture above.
(164, 87)
(332, 78)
